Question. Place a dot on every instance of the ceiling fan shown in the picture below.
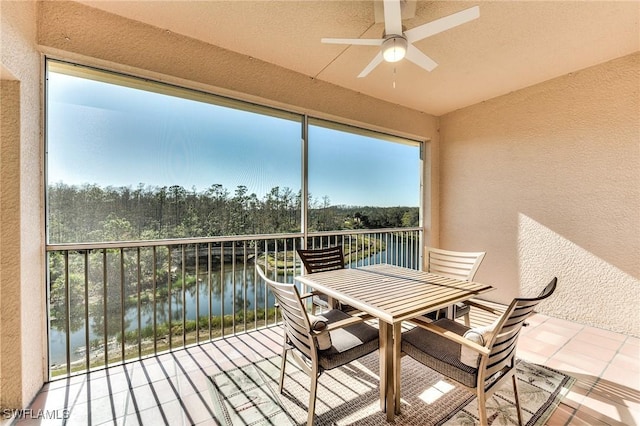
(397, 44)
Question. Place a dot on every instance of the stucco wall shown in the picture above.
(9, 231)
(547, 181)
(22, 318)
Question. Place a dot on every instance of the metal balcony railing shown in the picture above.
(109, 303)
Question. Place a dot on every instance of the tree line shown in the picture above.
(90, 213)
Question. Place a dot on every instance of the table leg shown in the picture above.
(397, 355)
(386, 370)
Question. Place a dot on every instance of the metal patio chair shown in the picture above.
(318, 343)
(454, 264)
(318, 260)
(481, 358)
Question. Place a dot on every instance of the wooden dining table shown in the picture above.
(392, 294)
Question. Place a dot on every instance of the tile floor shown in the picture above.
(173, 388)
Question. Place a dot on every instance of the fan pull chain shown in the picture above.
(394, 77)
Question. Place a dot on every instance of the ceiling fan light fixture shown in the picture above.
(394, 48)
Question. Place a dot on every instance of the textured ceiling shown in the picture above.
(514, 44)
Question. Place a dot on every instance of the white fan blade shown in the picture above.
(374, 63)
(392, 17)
(442, 24)
(419, 58)
(361, 41)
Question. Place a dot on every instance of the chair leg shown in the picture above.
(441, 313)
(312, 396)
(282, 365)
(482, 407)
(517, 399)
(467, 320)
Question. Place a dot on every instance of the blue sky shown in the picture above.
(100, 133)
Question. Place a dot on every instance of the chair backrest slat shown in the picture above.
(503, 342)
(324, 259)
(454, 264)
(300, 343)
(294, 315)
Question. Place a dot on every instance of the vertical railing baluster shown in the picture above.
(87, 360)
(395, 249)
(169, 309)
(138, 291)
(266, 307)
(210, 296)
(376, 239)
(67, 313)
(418, 250)
(155, 297)
(413, 250)
(275, 259)
(419, 237)
(405, 248)
(255, 285)
(386, 248)
(222, 285)
(122, 296)
(104, 307)
(286, 270)
(350, 250)
(244, 284)
(409, 249)
(197, 254)
(233, 288)
(183, 273)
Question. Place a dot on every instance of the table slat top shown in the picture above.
(392, 293)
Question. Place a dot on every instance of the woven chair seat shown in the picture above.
(348, 343)
(439, 353)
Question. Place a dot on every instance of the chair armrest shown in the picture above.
(347, 322)
(484, 307)
(360, 314)
(451, 336)
(310, 294)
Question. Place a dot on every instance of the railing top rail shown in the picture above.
(218, 239)
(363, 231)
(166, 242)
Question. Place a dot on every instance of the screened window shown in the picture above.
(360, 179)
(129, 159)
